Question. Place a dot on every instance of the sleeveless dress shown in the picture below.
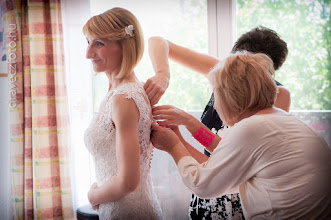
(227, 206)
(100, 141)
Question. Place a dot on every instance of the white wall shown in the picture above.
(4, 151)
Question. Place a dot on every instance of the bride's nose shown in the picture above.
(90, 53)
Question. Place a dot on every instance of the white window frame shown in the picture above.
(221, 26)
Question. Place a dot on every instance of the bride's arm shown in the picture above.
(125, 115)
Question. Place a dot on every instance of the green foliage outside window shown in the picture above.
(188, 90)
(305, 26)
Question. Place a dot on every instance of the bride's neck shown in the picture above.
(114, 82)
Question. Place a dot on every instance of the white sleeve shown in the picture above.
(232, 163)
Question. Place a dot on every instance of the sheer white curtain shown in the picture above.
(80, 94)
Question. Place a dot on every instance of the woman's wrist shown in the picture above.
(178, 151)
(173, 148)
(163, 72)
(188, 120)
(192, 124)
(165, 75)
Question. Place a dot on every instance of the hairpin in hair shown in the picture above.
(129, 30)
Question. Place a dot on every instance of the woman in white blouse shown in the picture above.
(280, 166)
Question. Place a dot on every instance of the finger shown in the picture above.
(146, 84)
(162, 117)
(149, 87)
(166, 124)
(165, 111)
(155, 126)
(166, 116)
(162, 107)
(149, 90)
(157, 100)
(153, 96)
(156, 96)
(174, 127)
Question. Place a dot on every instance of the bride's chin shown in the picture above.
(98, 70)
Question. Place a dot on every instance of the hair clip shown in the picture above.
(129, 30)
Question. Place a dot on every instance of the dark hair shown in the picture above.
(263, 40)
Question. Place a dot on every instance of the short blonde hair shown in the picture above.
(111, 25)
(244, 83)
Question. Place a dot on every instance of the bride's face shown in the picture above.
(106, 55)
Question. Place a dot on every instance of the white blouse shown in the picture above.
(281, 166)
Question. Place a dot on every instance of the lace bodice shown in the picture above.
(100, 141)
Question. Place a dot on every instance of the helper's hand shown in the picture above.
(175, 129)
(163, 138)
(90, 194)
(168, 115)
(155, 87)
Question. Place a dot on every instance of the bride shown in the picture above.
(119, 136)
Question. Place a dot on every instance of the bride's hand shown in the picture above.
(163, 138)
(90, 194)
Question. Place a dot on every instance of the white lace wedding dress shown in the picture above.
(100, 141)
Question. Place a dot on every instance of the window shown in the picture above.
(305, 26)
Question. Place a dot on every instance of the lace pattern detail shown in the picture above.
(100, 141)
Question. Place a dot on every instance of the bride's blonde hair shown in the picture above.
(111, 25)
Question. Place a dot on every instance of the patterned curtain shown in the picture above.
(39, 128)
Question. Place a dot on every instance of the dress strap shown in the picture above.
(136, 92)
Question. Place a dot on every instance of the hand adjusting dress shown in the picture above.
(100, 141)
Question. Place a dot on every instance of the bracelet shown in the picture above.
(204, 137)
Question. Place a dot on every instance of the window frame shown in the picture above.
(221, 26)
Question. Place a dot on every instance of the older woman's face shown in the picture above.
(217, 104)
(106, 55)
(219, 109)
